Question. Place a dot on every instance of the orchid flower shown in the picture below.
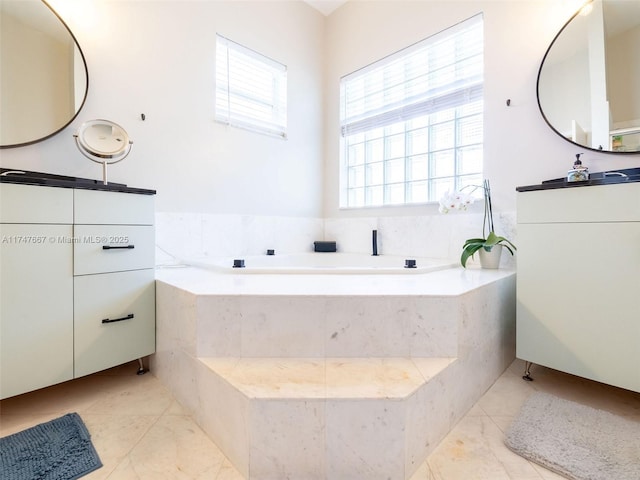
(460, 200)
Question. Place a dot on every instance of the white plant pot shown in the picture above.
(490, 259)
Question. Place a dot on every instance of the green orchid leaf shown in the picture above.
(508, 244)
(492, 239)
(472, 241)
(468, 251)
(464, 257)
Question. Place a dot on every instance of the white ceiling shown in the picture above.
(326, 6)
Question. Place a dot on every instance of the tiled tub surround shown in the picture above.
(325, 376)
(182, 236)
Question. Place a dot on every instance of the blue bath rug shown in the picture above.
(57, 450)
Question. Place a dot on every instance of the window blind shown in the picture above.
(441, 72)
(412, 122)
(251, 89)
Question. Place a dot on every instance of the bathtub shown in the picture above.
(322, 263)
(403, 357)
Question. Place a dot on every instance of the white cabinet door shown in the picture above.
(577, 310)
(36, 307)
(114, 319)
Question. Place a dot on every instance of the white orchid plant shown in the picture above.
(460, 200)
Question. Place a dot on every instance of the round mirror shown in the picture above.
(43, 73)
(588, 80)
(103, 141)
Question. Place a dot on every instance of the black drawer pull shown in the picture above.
(128, 317)
(109, 247)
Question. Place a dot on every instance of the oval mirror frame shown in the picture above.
(48, 132)
(545, 115)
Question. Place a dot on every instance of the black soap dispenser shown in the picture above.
(579, 173)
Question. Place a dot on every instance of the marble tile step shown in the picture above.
(327, 378)
(325, 418)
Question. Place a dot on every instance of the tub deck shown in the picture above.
(449, 282)
(325, 376)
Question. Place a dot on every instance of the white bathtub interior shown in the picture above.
(321, 263)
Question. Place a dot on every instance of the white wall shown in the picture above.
(158, 58)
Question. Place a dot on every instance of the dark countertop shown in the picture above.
(26, 177)
(629, 175)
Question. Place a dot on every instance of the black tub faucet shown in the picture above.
(374, 241)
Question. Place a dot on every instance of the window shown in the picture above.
(251, 89)
(412, 123)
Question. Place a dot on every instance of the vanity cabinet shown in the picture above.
(578, 281)
(36, 288)
(77, 285)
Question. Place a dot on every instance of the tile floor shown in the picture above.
(141, 432)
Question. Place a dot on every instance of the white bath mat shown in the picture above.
(576, 441)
